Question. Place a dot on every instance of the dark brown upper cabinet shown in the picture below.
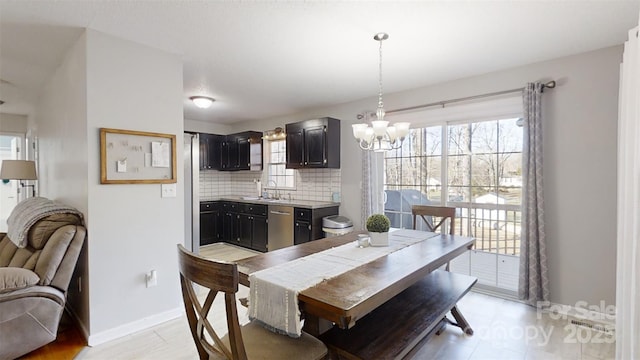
(241, 151)
(313, 144)
(210, 151)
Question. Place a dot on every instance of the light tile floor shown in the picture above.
(503, 329)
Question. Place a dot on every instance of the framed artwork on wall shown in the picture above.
(137, 157)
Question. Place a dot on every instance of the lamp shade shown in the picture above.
(18, 170)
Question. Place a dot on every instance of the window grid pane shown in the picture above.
(484, 179)
(277, 171)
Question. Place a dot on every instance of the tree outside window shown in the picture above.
(475, 166)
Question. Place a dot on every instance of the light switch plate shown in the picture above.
(168, 190)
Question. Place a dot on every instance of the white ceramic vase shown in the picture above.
(379, 238)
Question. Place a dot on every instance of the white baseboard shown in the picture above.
(133, 327)
(496, 292)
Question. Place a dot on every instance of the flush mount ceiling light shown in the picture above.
(202, 102)
(380, 136)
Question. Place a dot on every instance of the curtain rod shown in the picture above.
(550, 85)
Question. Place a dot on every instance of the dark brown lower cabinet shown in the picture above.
(247, 225)
(307, 223)
(209, 222)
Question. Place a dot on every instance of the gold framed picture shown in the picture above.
(137, 157)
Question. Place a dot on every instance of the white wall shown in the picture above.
(580, 161)
(132, 230)
(206, 127)
(61, 116)
(108, 82)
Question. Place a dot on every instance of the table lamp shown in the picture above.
(19, 170)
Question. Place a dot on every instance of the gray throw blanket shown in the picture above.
(28, 212)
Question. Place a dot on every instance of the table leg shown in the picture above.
(315, 326)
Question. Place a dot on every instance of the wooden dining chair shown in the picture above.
(443, 213)
(439, 212)
(430, 215)
(250, 341)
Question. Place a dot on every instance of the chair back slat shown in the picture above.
(235, 334)
(442, 212)
(217, 277)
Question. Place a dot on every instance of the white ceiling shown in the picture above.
(264, 59)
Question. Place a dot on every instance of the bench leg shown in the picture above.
(440, 327)
(461, 322)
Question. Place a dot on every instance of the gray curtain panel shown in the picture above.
(366, 204)
(373, 197)
(533, 282)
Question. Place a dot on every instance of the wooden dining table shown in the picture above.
(348, 297)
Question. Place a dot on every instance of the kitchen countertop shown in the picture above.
(308, 204)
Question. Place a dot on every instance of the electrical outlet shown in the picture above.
(152, 278)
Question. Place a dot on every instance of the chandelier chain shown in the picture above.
(380, 105)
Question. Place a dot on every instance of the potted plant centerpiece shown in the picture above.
(378, 227)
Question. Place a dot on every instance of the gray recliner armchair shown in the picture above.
(34, 281)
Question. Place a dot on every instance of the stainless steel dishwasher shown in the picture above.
(280, 227)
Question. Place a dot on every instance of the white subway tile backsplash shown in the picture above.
(311, 184)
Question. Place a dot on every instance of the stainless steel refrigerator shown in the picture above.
(192, 192)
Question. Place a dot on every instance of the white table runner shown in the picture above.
(273, 294)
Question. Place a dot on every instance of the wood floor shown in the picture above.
(503, 330)
(68, 344)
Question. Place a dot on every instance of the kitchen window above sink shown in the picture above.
(277, 173)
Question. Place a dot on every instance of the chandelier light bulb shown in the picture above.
(391, 131)
(379, 127)
(402, 129)
(358, 130)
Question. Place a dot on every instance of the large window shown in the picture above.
(475, 166)
(477, 169)
(277, 171)
(413, 174)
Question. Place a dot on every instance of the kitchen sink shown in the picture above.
(276, 200)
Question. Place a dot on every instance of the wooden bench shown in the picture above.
(395, 328)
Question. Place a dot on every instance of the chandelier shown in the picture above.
(380, 136)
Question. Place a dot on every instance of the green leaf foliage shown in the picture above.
(378, 223)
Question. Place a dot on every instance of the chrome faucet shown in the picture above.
(275, 190)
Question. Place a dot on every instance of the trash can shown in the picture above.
(335, 225)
